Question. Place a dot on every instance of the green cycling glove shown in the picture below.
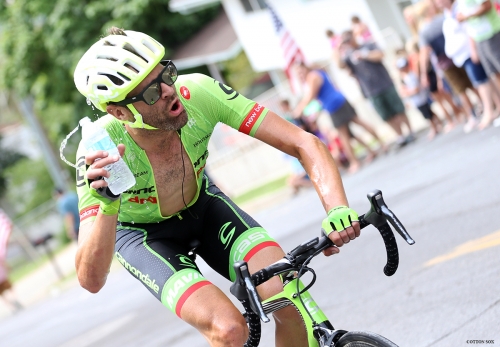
(339, 218)
(109, 203)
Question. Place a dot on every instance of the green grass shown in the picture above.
(269, 187)
(27, 267)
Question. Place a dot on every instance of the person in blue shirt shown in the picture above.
(319, 86)
(67, 205)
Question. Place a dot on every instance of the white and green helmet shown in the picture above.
(113, 56)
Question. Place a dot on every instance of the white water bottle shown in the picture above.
(96, 138)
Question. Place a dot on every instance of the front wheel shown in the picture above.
(363, 339)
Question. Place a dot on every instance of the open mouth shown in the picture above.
(176, 108)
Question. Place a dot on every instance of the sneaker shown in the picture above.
(496, 122)
(410, 138)
(469, 126)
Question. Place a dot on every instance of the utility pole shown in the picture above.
(59, 176)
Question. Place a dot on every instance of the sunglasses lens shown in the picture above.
(152, 94)
(169, 75)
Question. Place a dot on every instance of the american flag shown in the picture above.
(291, 51)
(5, 230)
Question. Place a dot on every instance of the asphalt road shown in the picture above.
(446, 291)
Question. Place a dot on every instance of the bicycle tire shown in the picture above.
(363, 339)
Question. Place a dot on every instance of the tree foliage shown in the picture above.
(42, 40)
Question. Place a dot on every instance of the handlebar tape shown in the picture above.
(392, 249)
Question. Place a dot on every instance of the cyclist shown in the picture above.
(162, 124)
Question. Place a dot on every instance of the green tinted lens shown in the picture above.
(169, 75)
(152, 94)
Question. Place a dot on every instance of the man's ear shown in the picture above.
(121, 113)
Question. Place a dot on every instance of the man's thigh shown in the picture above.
(164, 267)
(229, 234)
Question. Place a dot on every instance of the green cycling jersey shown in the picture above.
(206, 102)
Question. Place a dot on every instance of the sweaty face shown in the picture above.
(167, 113)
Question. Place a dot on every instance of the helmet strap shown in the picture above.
(139, 123)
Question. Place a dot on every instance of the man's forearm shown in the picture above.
(320, 166)
(95, 252)
(484, 8)
(374, 56)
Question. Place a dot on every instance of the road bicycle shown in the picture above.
(320, 332)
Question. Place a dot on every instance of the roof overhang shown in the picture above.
(190, 6)
(215, 43)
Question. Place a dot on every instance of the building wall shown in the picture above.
(307, 22)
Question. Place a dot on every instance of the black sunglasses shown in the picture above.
(152, 92)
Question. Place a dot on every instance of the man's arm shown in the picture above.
(96, 240)
(425, 53)
(96, 246)
(484, 8)
(316, 160)
(375, 56)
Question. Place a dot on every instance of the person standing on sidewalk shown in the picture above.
(432, 42)
(463, 52)
(482, 23)
(6, 291)
(341, 112)
(364, 62)
(417, 95)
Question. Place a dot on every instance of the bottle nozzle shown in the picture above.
(85, 120)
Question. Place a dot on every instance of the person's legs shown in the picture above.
(479, 78)
(369, 129)
(345, 138)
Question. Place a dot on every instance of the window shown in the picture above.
(253, 5)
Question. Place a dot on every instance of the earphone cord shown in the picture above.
(195, 216)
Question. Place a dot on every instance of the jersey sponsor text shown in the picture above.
(251, 119)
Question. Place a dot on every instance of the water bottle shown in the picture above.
(96, 138)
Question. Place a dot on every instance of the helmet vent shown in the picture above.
(131, 49)
(117, 81)
(124, 77)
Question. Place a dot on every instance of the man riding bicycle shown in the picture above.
(162, 123)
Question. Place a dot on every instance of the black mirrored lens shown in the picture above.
(169, 75)
(152, 94)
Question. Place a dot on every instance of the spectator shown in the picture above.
(360, 30)
(341, 112)
(432, 41)
(463, 52)
(6, 291)
(364, 62)
(334, 39)
(67, 205)
(482, 23)
(418, 96)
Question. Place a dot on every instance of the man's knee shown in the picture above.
(228, 331)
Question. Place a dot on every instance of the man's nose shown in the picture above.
(166, 90)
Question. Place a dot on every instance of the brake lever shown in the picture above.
(396, 224)
(242, 275)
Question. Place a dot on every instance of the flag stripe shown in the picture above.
(291, 51)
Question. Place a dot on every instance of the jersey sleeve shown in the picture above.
(223, 104)
(88, 206)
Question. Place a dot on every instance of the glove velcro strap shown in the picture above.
(110, 209)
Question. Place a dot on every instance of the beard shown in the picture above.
(160, 119)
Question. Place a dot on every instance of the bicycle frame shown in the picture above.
(289, 297)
